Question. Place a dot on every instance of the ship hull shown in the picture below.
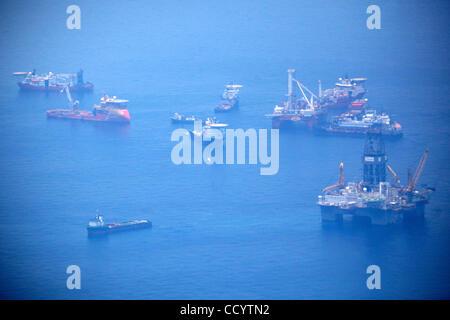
(118, 227)
(29, 87)
(227, 107)
(88, 116)
(341, 101)
(294, 122)
(376, 216)
(358, 132)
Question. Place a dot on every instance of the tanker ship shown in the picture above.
(230, 98)
(110, 110)
(97, 226)
(374, 199)
(297, 112)
(53, 81)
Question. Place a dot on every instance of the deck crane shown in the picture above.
(341, 181)
(302, 87)
(412, 181)
(396, 178)
(73, 105)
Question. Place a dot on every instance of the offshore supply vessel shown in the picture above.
(344, 93)
(293, 112)
(53, 81)
(361, 124)
(230, 98)
(97, 226)
(374, 198)
(110, 110)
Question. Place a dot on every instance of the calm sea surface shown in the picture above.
(219, 232)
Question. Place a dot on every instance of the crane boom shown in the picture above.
(69, 97)
(341, 181)
(412, 181)
(301, 87)
(396, 178)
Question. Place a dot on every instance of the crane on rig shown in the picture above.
(412, 180)
(396, 178)
(303, 88)
(341, 181)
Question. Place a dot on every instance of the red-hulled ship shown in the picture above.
(53, 81)
(346, 91)
(109, 110)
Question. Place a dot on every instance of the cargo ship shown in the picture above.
(53, 81)
(374, 199)
(110, 110)
(361, 124)
(97, 226)
(303, 112)
(343, 94)
(230, 98)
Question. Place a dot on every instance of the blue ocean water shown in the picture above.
(219, 232)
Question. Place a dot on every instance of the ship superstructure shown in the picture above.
(54, 81)
(344, 93)
(297, 111)
(362, 123)
(230, 98)
(374, 198)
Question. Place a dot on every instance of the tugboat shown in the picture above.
(97, 226)
(53, 81)
(346, 91)
(370, 121)
(109, 110)
(230, 98)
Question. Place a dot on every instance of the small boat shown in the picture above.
(206, 131)
(179, 118)
(98, 226)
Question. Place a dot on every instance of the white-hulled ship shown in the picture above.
(370, 121)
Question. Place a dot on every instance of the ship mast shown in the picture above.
(289, 94)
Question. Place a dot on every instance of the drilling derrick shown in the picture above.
(374, 160)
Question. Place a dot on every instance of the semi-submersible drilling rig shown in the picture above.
(374, 198)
